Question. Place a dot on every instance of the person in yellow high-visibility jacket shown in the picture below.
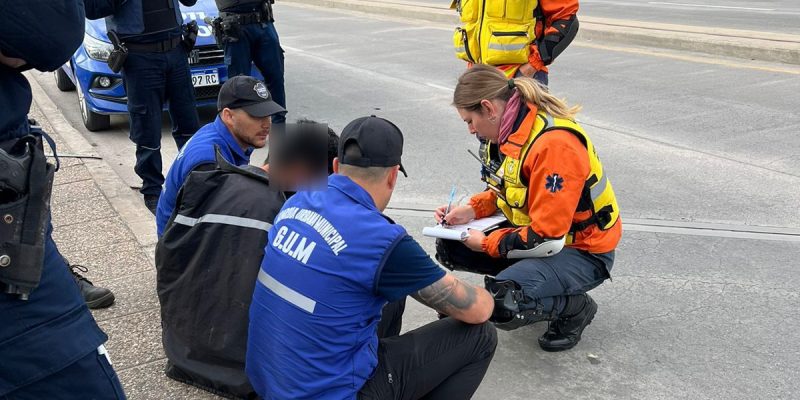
(520, 37)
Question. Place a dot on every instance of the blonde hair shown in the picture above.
(483, 82)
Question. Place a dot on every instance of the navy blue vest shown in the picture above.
(315, 307)
(138, 17)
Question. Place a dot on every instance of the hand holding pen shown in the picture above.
(449, 215)
(449, 205)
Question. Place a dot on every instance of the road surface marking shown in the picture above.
(730, 231)
(435, 86)
(741, 64)
(709, 6)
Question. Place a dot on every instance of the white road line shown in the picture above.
(435, 86)
(729, 231)
(406, 29)
(710, 6)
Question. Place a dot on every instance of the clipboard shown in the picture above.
(461, 232)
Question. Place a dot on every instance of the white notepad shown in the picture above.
(461, 232)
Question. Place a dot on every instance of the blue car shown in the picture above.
(101, 92)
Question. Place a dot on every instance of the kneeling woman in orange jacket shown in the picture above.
(543, 173)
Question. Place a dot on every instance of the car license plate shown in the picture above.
(205, 79)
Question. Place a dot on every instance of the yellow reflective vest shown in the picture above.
(495, 32)
(512, 191)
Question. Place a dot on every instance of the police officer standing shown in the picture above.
(246, 32)
(152, 52)
(51, 346)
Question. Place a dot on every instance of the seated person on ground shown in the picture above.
(209, 254)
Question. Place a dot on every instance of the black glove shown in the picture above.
(190, 35)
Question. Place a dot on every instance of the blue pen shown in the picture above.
(449, 204)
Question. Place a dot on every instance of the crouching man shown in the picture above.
(332, 262)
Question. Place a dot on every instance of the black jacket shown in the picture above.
(207, 262)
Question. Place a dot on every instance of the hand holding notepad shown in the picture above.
(461, 232)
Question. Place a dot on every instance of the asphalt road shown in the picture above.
(708, 148)
(777, 16)
(774, 16)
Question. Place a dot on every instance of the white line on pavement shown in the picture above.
(709, 6)
(729, 231)
(435, 86)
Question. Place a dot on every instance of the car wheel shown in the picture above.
(63, 82)
(91, 120)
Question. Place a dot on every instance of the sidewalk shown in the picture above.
(102, 224)
(750, 45)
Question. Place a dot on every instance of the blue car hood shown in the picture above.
(197, 12)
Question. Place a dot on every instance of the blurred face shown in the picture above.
(297, 176)
(248, 131)
(484, 122)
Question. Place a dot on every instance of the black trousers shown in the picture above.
(445, 359)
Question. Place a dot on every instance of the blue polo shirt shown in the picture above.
(199, 150)
(332, 262)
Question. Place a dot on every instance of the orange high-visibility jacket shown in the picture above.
(552, 212)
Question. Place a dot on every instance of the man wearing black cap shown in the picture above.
(245, 108)
(332, 262)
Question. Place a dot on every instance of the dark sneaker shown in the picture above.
(565, 333)
(95, 297)
(151, 202)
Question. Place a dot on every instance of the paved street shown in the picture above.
(780, 16)
(776, 16)
(705, 159)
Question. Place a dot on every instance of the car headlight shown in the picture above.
(96, 48)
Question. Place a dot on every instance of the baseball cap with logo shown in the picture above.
(380, 142)
(249, 94)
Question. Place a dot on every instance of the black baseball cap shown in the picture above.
(249, 94)
(380, 142)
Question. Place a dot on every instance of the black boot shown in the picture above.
(95, 297)
(565, 333)
(551, 332)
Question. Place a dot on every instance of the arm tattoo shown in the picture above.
(447, 295)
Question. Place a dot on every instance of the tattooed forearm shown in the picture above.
(447, 295)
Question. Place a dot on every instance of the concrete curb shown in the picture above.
(125, 201)
(770, 47)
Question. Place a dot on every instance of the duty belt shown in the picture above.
(163, 46)
(246, 19)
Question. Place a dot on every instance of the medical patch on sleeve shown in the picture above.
(554, 183)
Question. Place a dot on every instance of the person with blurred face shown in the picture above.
(206, 271)
(245, 109)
